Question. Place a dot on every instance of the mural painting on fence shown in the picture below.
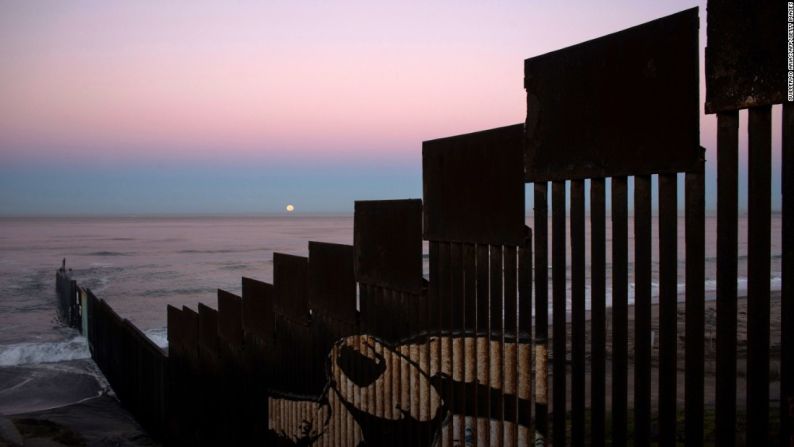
(362, 367)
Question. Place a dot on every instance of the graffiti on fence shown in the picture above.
(362, 368)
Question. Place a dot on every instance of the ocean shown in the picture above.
(142, 264)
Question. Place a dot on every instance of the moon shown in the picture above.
(290, 208)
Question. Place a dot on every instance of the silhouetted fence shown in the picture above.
(583, 126)
(745, 70)
(353, 346)
(135, 367)
(69, 299)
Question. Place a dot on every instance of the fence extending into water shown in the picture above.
(353, 346)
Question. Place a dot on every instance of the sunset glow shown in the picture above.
(283, 86)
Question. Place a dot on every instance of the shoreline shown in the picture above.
(710, 333)
(65, 403)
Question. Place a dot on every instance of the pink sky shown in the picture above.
(132, 81)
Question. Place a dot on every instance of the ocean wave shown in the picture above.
(159, 336)
(220, 251)
(28, 353)
(107, 253)
(233, 266)
(76, 348)
(178, 291)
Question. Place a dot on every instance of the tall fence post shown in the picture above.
(747, 72)
(474, 222)
(578, 130)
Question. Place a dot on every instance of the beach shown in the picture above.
(66, 404)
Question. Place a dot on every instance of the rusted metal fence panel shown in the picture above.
(471, 187)
(257, 309)
(290, 286)
(145, 375)
(292, 344)
(582, 102)
(230, 321)
(393, 310)
(231, 356)
(387, 236)
(192, 404)
(209, 376)
(745, 56)
(332, 298)
(332, 282)
(178, 425)
(257, 326)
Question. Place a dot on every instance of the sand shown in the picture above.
(66, 404)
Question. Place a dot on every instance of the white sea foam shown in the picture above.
(158, 336)
(75, 348)
(48, 352)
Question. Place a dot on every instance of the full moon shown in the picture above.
(290, 208)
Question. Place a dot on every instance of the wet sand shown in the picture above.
(710, 342)
(97, 422)
(66, 404)
(709, 382)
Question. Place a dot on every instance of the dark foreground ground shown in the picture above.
(63, 404)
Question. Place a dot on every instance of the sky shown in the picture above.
(243, 107)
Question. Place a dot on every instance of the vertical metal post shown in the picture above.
(727, 246)
(758, 268)
(598, 311)
(483, 345)
(497, 346)
(668, 314)
(510, 349)
(787, 294)
(541, 223)
(558, 274)
(525, 331)
(620, 281)
(577, 313)
(642, 310)
(695, 272)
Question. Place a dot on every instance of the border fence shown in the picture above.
(353, 346)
